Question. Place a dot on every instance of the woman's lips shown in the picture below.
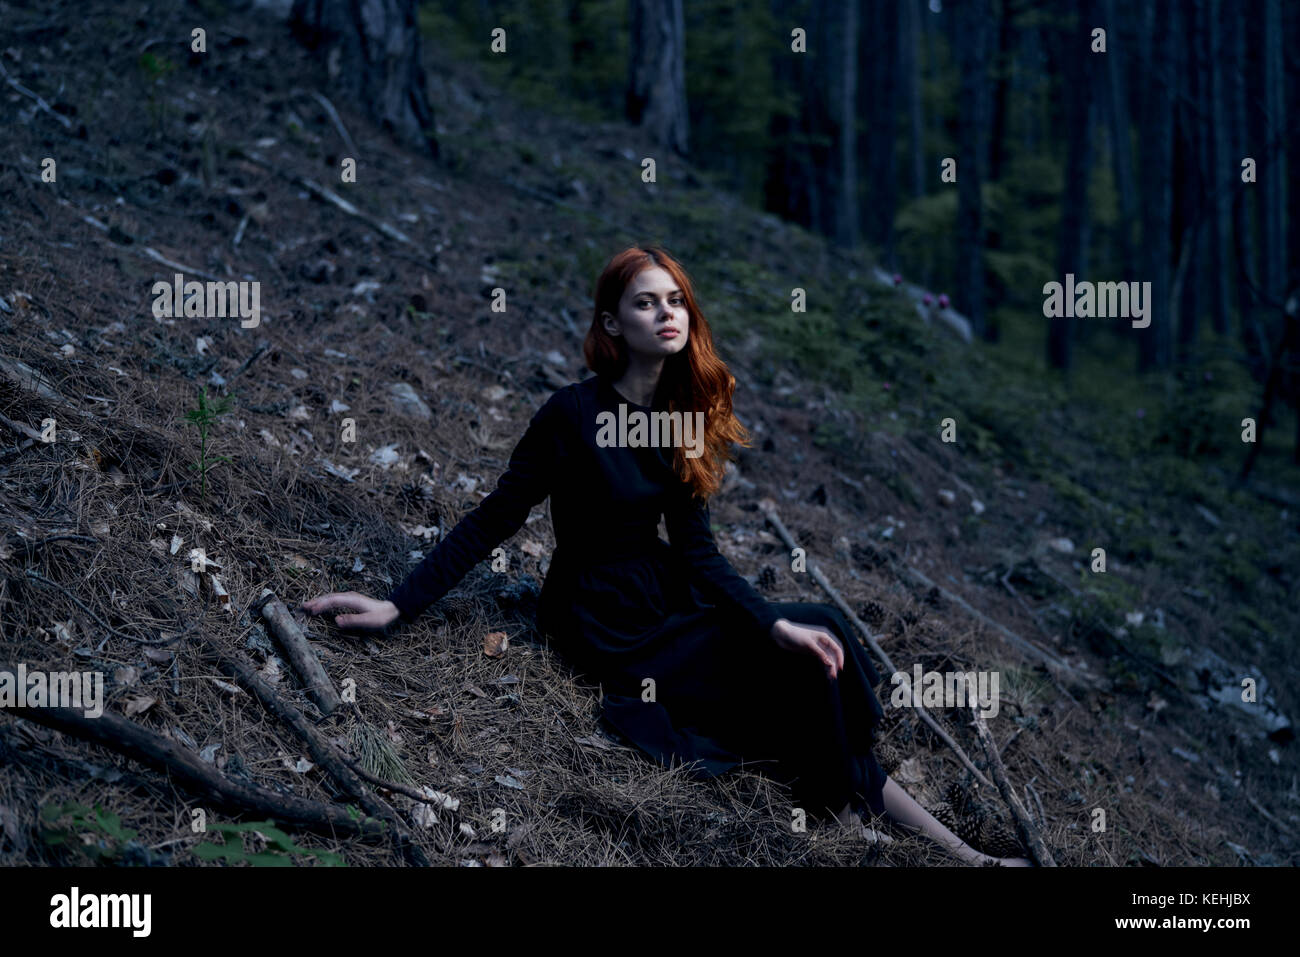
(667, 333)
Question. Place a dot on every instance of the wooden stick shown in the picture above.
(769, 510)
(37, 576)
(25, 377)
(1047, 658)
(148, 252)
(190, 771)
(326, 755)
(320, 192)
(1028, 832)
(67, 123)
(282, 625)
(21, 428)
(338, 124)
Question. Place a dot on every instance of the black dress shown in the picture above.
(679, 642)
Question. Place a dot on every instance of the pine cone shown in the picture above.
(976, 823)
(417, 495)
(888, 756)
(873, 613)
(456, 609)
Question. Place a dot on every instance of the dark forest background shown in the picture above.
(1122, 164)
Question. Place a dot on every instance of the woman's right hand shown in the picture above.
(364, 612)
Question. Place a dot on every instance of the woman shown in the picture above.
(695, 665)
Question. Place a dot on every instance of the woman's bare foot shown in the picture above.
(850, 817)
(1007, 861)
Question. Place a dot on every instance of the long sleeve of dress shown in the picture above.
(526, 482)
(691, 537)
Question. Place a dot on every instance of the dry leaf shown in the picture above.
(445, 801)
(495, 644)
(139, 705)
(226, 686)
(423, 816)
(271, 672)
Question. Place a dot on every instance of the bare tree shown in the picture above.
(972, 25)
(372, 52)
(656, 85)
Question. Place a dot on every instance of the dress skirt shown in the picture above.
(688, 682)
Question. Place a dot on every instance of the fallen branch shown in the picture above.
(769, 510)
(413, 793)
(338, 124)
(148, 252)
(301, 655)
(1028, 832)
(320, 192)
(201, 779)
(25, 377)
(21, 428)
(261, 348)
(1047, 658)
(37, 576)
(67, 123)
(324, 753)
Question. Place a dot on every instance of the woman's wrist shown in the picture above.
(777, 627)
(393, 613)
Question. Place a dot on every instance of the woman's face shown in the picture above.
(652, 315)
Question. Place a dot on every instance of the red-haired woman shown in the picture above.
(695, 665)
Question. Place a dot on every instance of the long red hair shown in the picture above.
(693, 380)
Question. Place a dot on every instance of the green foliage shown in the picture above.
(156, 69)
(280, 847)
(63, 824)
(202, 418)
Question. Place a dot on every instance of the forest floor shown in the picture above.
(1149, 758)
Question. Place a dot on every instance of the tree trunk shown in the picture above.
(1002, 92)
(656, 87)
(1072, 251)
(972, 26)
(373, 54)
(1243, 236)
(844, 75)
(1156, 340)
(1273, 163)
(910, 73)
(878, 68)
(1189, 188)
(1121, 142)
(1220, 178)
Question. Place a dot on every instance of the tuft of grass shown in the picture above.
(377, 755)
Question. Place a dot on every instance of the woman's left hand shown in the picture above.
(811, 640)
